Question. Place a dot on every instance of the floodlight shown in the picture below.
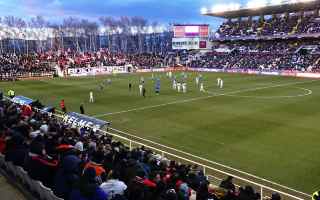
(204, 10)
(276, 2)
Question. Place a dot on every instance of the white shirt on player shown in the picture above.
(140, 89)
(197, 80)
(221, 84)
(184, 88)
(179, 87)
(91, 97)
(218, 81)
(174, 85)
(201, 87)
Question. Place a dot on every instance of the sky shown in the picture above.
(162, 11)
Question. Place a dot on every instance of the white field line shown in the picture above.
(201, 98)
(307, 92)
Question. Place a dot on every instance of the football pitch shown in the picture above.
(263, 125)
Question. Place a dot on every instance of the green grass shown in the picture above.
(275, 138)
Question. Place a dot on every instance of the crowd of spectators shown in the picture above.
(264, 55)
(12, 65)
(107, 58)
(275, 25)
(81, 164)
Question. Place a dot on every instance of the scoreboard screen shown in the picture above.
(191, 31)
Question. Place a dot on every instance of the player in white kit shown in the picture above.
(221, 84)
(184, 87)
(201, 87)
(91, 97)
(218, 82)
(174, 84)
(179, 86)
(197, 81)
(140, 89)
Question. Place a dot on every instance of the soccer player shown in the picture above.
(142, 80)
(221, 84)
(157, 86)
(63, 106)
(144, 92)
(197, 81)
(201, 87)
(218, 82)
(184, 87)
(174, 84)
(130, 87)
(179, 86)
(140, 89)
(82, 109)
(91, 97)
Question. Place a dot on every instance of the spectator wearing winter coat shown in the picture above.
(68, 174)
(248, 193)
(39, 165)
(16, 152)
(87, 188)
(227, 184)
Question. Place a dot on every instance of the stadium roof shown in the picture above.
(266, 10)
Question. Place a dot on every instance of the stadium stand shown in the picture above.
(283, 37)
(14, 66)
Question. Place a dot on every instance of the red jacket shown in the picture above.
(62, 105)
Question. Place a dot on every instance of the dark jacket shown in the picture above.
(16, 151)
(99, 194)
(67, 175)
(17, 155)
(87, 188)
(41, 168)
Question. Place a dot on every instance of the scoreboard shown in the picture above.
(191, 37)
(183, 31)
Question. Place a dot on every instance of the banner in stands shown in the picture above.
(103, 70)
(84, 121)
(22, 100)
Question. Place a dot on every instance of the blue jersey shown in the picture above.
(157, 85)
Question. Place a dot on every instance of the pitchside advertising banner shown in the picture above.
(78, 120)
(71, 118)
(103, 70)
(22, 100)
